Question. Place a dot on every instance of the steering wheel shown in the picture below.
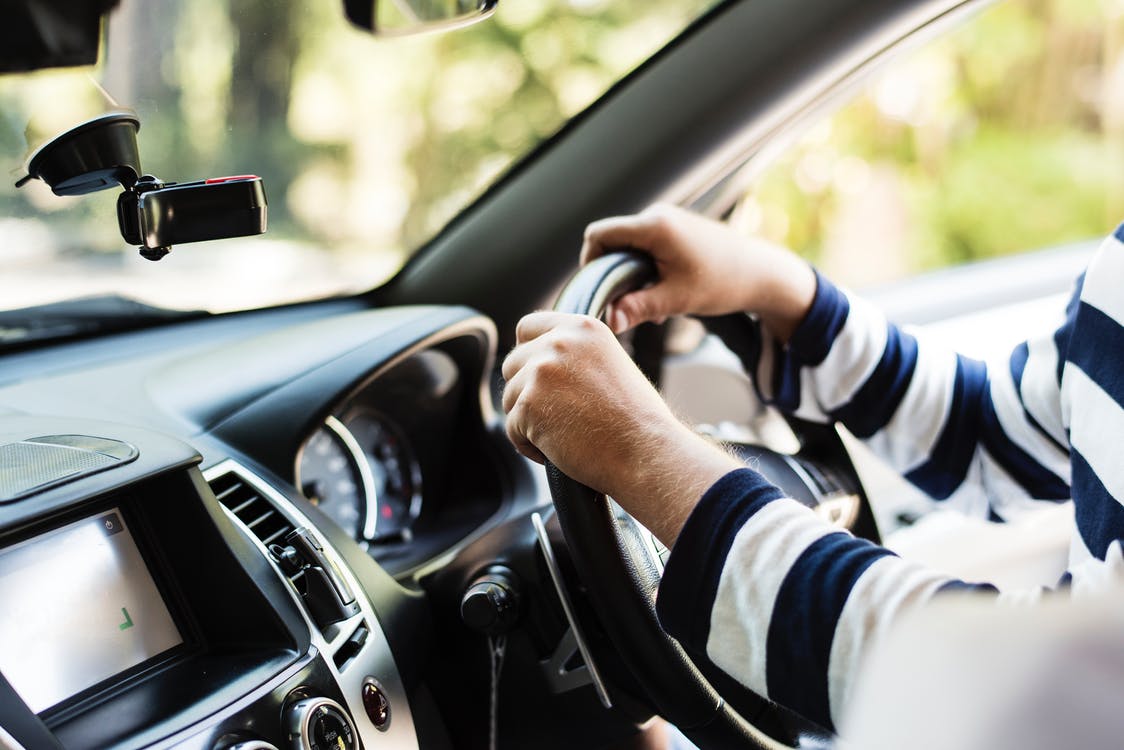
(620, 566)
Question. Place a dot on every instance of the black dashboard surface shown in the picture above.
(258, 386)
(240, 395)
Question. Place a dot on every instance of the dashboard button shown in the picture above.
(376, 705)
(320, 724)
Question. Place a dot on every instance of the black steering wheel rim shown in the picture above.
(619, 586)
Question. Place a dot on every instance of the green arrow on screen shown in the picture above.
(128, 620)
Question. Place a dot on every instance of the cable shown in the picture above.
(497, 649)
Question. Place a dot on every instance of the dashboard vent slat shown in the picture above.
(253, 510)
(276, 536)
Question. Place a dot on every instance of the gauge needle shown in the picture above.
(310, 492)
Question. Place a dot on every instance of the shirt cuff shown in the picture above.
(812, 339)
(690, 579)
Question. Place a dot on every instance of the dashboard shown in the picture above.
(209, 532)
(379, 460)
(294, 529)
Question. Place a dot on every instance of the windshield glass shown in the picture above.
(366, 146)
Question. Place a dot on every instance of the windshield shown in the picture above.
(366, 146)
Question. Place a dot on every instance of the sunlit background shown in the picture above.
(1005, 136)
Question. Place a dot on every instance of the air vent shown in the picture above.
(298, 553)
(240, 498)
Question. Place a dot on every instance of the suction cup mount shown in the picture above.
(154, 215)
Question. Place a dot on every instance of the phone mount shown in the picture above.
(151, 213)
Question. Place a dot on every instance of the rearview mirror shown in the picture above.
(398, 17)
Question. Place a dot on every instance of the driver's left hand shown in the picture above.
(573, 396)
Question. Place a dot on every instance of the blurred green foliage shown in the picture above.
(365, 144)
(1003, 136)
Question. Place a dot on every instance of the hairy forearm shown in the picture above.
(672, 467)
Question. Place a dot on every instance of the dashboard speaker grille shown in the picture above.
(267, 523)
(37, 464)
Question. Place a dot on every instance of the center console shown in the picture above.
(149, 604)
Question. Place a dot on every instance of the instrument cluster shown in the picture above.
(379, 465)
(361, 470)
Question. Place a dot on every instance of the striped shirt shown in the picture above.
(788, 604)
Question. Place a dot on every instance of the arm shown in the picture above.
(784, 602)
(989, 444)
(948, 423)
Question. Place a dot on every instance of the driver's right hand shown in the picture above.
(705, 268)
(574, 397)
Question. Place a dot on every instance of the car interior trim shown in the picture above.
(474, 325)
(568, 609)
(712, 186)
(373, 658)
(9, 742)
(186, 735)
(359, 460)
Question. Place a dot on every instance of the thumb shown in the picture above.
(635, 308)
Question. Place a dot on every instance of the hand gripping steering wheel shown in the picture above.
(621, 571)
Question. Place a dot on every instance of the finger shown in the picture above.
(537, 324)
(618, 232)
(518, 439)
(530, 452)
(513, 389)
(533, 325)
(616, 320)
(634, 308)
(516, 359)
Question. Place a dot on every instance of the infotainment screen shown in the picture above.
(78, 605)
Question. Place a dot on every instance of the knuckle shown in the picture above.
(521, 329)
(560, 347)
(597, 330)
(528, 402)
(661, 226)
(587, 324)
(514, 428)
(508, 368)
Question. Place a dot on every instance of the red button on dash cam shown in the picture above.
(233, 178)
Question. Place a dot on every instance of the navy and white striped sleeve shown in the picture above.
(788, 604)
(780, 600)
(937, 417)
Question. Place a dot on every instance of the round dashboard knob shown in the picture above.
(490, 605)
(320, 724)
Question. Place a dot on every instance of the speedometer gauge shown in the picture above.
(394, 471)
(333, 474)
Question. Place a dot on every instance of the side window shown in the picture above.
(1003, 136)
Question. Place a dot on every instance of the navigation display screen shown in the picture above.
(77, 606)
